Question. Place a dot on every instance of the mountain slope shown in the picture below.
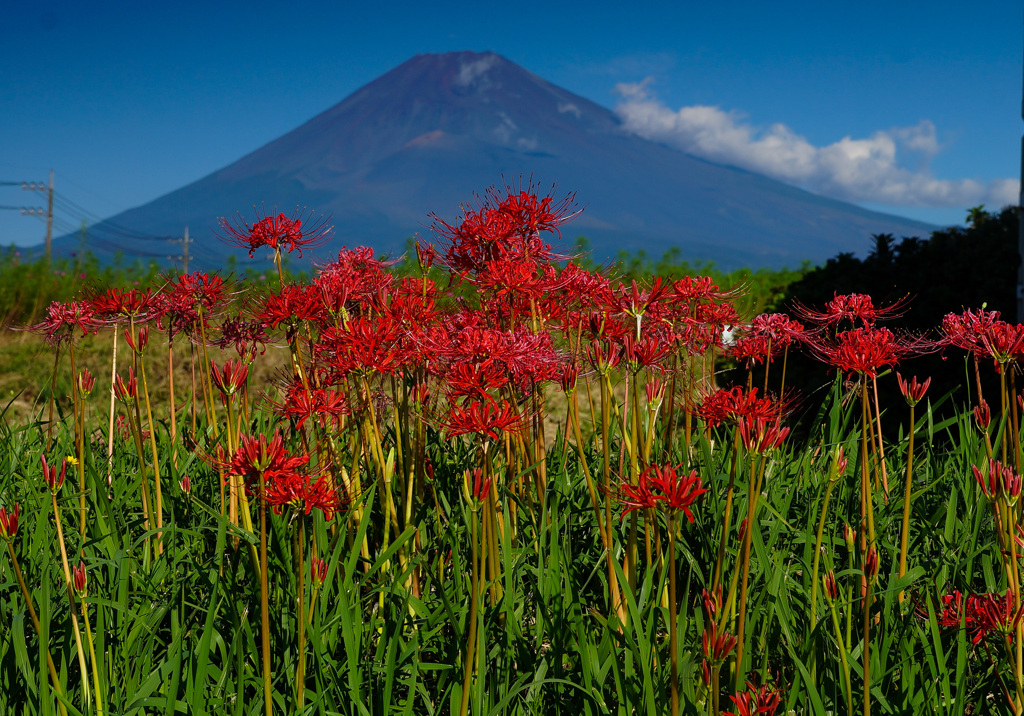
(427, 135)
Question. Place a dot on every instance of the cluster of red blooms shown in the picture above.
(980, 614)
(760, 700)
(662, 487)
(276, 232)
(284, 476)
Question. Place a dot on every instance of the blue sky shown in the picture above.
(908, 107)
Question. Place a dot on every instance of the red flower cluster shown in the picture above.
(756, 701)
(1001, 482)
(863, 350)
(736, 405)
(854, 308)
(283, 475)
(662, 486)
(63, 319)
(276, 232)
(506, 226)
(981, 614)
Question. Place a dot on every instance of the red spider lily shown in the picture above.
(475, 381)
(756, 701)
(983, 415)
(477, 486)
(276, 232)
(86, 382)
(301, 405)
(852, 307)
(717, 647)
(841, 462)
(137, 345)
(244, 335)
(674, 491)
(425, 255)
(503, 227)
(291, 306)
(735, 405)
(981, 614)
(568, 377)
(864, 350)
(762, 436)
(752, 349)
(690, 289)
(966, 330)
(871, 564)
(364, 345)
(256, 455)
(913, 392)
(54, 478)
(831, 586)
(1003, 342)
(604, 356)
(78, 578)
(288, 488)
(778, 328)
(483, 417)
(126, 391)
(317, 571)
(116, 303)
(9, 523)
(230, 378)
(1000, 483)
(62, 319)
(123, 427)
(645, 353)
(712, 602)
(185, 484)
(655, 391)
(634, 301)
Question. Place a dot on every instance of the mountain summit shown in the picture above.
(435, 130)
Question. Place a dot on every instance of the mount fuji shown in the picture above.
(428, 135)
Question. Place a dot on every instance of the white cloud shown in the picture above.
(873, 169)
(564, 107)
(469, 71)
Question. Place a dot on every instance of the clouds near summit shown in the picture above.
(889, 167)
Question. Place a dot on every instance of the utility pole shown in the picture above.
(183, 256)
(49, 219)
(35, 210)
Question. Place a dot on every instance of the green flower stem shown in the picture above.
(905, 532)
(673, 645)
(727, 514)
(69, 585)
(92, 660)
(866, 652)
(842, 658)
(268, 694)
(474, 601)
(742, 613)
(54, 678)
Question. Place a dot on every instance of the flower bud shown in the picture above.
(78, 577)
(8, 523)
(186, 485)
(871, 564)
(983, 416)
(831, 586)
(54, 479)
(317, 571)
(86, 382)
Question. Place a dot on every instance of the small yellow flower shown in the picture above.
(72, 460)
